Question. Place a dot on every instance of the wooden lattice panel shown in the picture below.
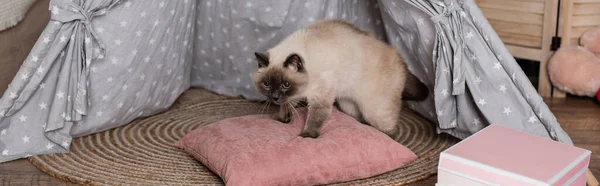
(578, 16)
(517, 22)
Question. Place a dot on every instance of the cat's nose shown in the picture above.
(275, 96)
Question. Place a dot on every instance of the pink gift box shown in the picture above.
(498, 155)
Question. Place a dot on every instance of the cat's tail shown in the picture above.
(414, 89)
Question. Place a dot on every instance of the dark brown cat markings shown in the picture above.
(317, 115)
(334, 63)
(276, 84)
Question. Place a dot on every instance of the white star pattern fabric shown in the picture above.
(133, 58)
(474, 80)
(78, 81)
(230, 33)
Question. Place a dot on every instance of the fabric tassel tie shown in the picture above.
(453, 26)
(71, 12)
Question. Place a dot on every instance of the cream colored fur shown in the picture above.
(365, 76)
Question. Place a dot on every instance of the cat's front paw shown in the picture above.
(281, 119)
(284, 119)
(309, 134)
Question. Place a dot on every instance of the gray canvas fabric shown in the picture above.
(98, 65)
(229, 32)
(156, 49)
(477, 81)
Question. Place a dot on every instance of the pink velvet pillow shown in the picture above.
(257, 150)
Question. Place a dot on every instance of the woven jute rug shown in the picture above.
(142, 152)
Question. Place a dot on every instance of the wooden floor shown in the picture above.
(580, 118)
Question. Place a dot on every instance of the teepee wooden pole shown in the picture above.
(591, 180)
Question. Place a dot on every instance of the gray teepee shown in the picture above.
(102, 63)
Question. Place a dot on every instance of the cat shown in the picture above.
(333, 63)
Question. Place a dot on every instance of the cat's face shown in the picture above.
(280, 82)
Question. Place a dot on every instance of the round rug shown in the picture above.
(142, 152)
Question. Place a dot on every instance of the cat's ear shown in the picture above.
(295, 62)
(262, 59)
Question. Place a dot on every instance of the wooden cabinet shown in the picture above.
(534, 29)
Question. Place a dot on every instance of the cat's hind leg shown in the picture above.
(382, 114)
(349, 107)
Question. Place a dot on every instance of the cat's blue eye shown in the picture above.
(286, 85)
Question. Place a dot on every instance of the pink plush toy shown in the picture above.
(591, 41)
(576, 69)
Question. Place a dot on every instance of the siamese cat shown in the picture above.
(329, 62)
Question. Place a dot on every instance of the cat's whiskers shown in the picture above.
(291, 107)
(262, 109)
(255, 106)
(298, 102)
(268, 107)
